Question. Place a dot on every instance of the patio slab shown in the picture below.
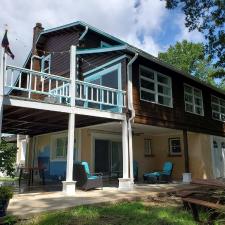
(25, 205)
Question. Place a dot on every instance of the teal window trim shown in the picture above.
(100, 74)
(100, 50)
(105, 65)
(43, 60)
(104, 44)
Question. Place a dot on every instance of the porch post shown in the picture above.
(130, 141)
(125, 182)
(186, 174)
(2, 75)
(69, 184)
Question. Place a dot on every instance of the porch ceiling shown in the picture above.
(19, 120)
(136, 128)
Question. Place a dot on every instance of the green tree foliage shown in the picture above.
(190, 58)
(8, 153)
(208, 17)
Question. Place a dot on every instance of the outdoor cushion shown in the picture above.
(86, 167)
(93, 177)
(167, 168)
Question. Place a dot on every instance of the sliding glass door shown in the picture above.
(108, 157)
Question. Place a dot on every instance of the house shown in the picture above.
(86, 95)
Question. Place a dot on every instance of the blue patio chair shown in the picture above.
(85, 179)
(163, 176)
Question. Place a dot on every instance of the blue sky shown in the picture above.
(146, 24)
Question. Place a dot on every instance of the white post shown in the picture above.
(124, 183)
(130, 141)
(69, 184)
(2, 84)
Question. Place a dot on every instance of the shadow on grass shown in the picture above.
(134, 213)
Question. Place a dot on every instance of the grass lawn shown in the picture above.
(8, 179)
(127, 213)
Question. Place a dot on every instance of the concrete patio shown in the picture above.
(33, 203)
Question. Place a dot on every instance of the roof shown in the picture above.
(130, 48)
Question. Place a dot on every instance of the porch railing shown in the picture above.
(34, 82)
(88, 95)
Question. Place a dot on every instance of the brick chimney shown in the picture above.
(36, 31)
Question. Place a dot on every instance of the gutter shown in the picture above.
(84, 33)
(131, 108)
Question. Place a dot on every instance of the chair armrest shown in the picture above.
(96, 174)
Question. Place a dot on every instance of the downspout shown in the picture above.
(131, 108)
(84, 33)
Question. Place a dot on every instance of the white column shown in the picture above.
(125, 182)
(130, 141)
(69, 185)
(2, 75)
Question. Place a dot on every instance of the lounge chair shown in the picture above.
(163, 176)
(85, 179)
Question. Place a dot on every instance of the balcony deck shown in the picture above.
(36, 103)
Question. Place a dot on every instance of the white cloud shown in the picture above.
(135, 25)
(118, 17)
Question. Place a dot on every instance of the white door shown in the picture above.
(218, 153)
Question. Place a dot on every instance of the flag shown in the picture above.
(5, 44)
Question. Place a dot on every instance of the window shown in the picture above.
(148, 148)
(105, 45)
(174, 146)
(218, 108)
(193, 100)
(45, 64)
(59, 147)
(155, 87)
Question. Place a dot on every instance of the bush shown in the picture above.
(6, 192)
(8, 153)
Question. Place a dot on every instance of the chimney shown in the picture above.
(36, 31)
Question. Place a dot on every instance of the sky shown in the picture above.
(146, 24)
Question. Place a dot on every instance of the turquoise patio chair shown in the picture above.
(163, 176)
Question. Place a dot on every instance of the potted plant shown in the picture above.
(6, 193)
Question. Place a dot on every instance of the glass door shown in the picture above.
(116, 159)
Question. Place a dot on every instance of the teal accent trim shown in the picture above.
(104, 44)
(46, 59)
(84, 25)
(119, 95)
(100, 50)
(106, 64)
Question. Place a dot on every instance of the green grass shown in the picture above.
(8, 179)
(127, 213)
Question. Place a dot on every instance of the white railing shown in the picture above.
(100, 96)
(34, 82)
(56, 89)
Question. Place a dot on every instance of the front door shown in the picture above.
(108, 157)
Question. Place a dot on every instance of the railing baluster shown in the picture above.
(63, 91)
(107, 97)
(113, 98)
(49, 84)
(20, 77)
(92, 93)
(42, 85)
(12, 76)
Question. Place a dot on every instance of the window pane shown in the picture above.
(188, 98)
(222, 117)
(162, 79)
(198, 101)
(215, 107)
(147, 96)
(189, 108)
(175, 146)
(215, 100)
(222, 103)
(147, 84)
(164, 100)
(197, 93)
(188, 89)
(198, 110)
(147, 73)
(216, 115)
(163, 90)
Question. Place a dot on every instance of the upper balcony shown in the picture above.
(38, 86)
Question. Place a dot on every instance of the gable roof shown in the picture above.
(128, 47)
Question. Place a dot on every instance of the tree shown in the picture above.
(190, 58)
(8, 153)
(208, 17)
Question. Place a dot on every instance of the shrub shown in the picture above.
(8, 158)
(6, 192)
